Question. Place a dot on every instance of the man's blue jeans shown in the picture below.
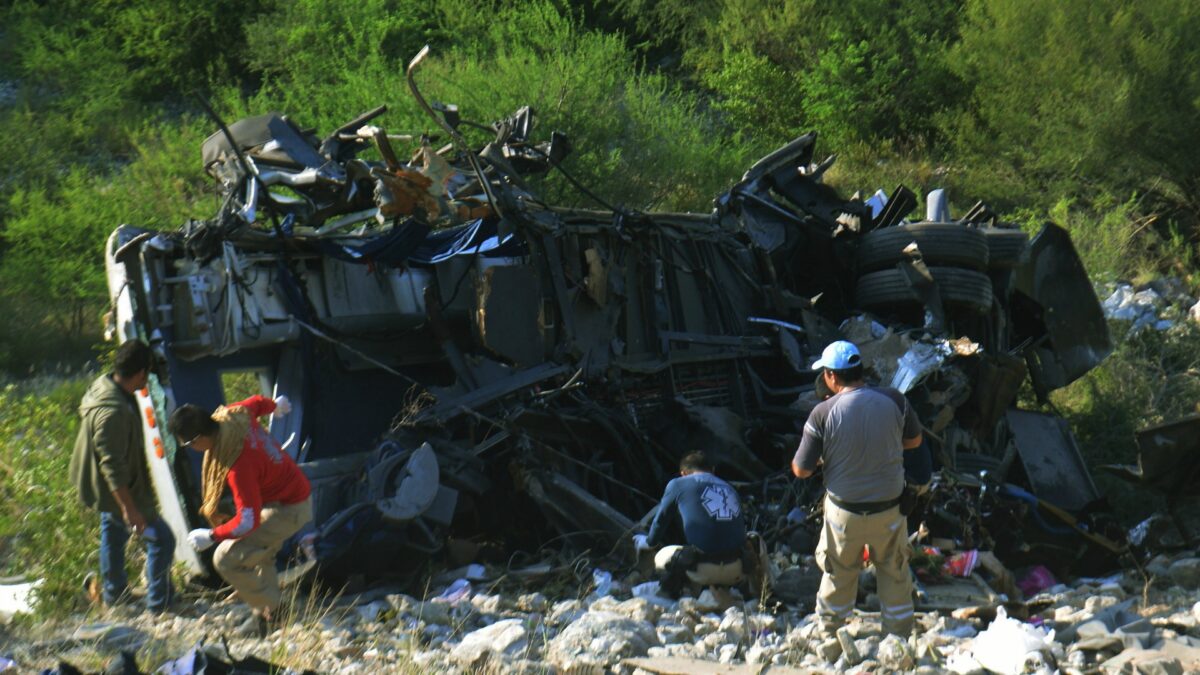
(160, 550)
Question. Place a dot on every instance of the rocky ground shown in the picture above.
(1120, 624)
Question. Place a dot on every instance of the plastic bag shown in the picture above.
(1003, 646)
(602, 581)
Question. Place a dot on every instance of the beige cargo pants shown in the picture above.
(248, 564)
(840, 556)
(705, 573)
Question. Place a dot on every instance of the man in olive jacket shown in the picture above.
(108, 468)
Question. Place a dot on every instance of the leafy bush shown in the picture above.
(1078, 94)
(53, 269)
(44, 532)
(639, 140)
(1151, 377)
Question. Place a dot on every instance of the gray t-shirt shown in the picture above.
(858, 434)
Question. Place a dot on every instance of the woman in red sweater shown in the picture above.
(270, 496)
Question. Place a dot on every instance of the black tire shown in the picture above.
(966, 289)
(948, 244)
(1006, 247)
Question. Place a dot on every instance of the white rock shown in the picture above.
(532, 602)
(1159, 566)
(707, 602)
(727, 653)
(488, 604)
(849, 650)
(601, 638)
(638, 609)
(686, 650)
(671, 634)
(758, 653)
(372, 611)
(715, 639)
(506, 639)
(431, 612)
(705, 626)
(1098, 602)
(894, 654)
(402, 603)
(829, 650)
(1186, 572)
(564, 612)
(764, 622)
(1115, 590)
(1196, 611)
(734, 623)
(528, 667)
(867, 647)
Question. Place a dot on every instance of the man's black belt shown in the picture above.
(863, 508)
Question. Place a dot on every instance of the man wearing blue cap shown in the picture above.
(859, 435)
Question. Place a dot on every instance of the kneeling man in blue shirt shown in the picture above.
(713, 528)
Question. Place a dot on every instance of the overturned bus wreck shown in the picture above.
(468, 362)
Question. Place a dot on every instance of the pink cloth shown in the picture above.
(1036, 580)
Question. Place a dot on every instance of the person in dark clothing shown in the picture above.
(713, 529)
(109, 472)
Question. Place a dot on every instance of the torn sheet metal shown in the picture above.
(1072, 335)
(918, 362)
(1051, 459)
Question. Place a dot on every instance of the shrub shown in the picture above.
(48, 535)
(1151, 377)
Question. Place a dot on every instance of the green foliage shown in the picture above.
(1151, 377)
(760, 99)
(44, 532)
(76, 50)
(639, 140)
(858, 71)
(1082, 91)
(53, 265)
(389, 31)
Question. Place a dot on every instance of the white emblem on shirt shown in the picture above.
(720, 502)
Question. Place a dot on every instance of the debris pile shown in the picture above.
(1115, 624)
(1157, 305)
(464, 357)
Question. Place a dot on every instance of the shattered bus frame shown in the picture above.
(481, 364)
